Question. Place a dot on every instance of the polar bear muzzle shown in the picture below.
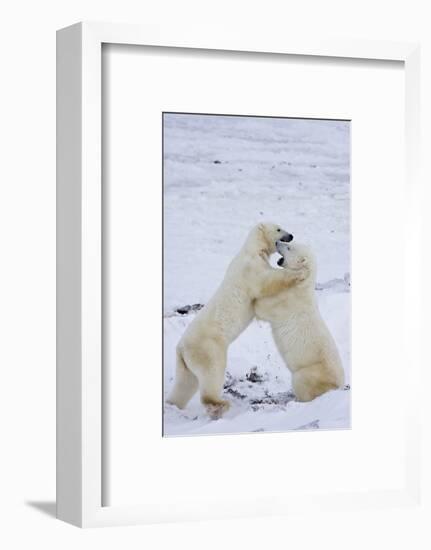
(286, 238)
(282, 247)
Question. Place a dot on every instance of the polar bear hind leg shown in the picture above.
(211, 388)
(208, 363)
(186, 384)
(310, 382)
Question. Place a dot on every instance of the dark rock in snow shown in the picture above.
(235, 393)
(281, 398)
(187, 309)
(253, 376)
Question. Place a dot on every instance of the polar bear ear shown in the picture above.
(262, 230)
(303, 260)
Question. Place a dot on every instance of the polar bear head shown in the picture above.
(265, 235)
(296, 256)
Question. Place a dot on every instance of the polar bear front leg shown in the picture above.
(276, 280)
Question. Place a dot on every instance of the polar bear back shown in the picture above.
(230, 309)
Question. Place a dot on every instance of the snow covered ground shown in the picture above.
(222, 175)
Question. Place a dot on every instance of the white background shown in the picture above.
(27, 301)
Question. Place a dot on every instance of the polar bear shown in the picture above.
(299, 331)
(202, 351)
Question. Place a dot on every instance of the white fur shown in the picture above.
(202, 351)
(299, 331)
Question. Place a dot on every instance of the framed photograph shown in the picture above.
(230, 339)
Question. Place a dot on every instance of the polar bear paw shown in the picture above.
(303, 273)
(216, 409)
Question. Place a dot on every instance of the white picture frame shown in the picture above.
(79, 264)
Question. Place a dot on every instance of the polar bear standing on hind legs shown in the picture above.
(300, 333)
(202, 350)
